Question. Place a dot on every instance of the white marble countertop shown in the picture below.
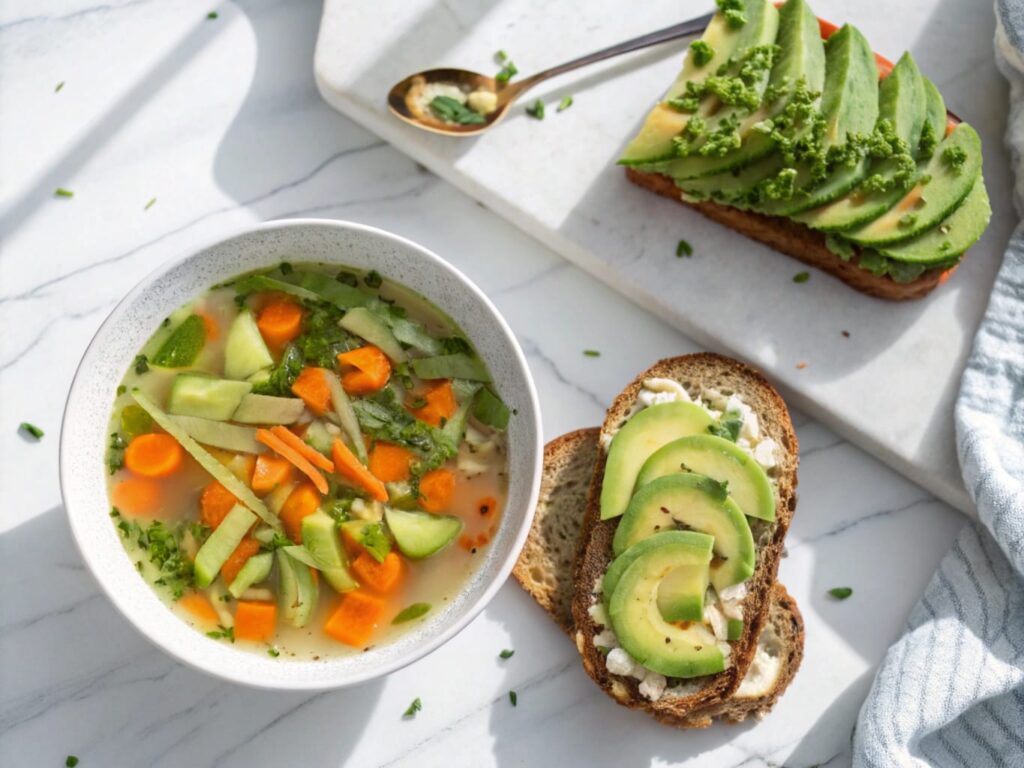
(219, 120)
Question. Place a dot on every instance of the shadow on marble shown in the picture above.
(76, 678)
(829, 741)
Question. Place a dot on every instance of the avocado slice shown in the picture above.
(655, 142)
(701, 504)
(642, 435)
(926, 204)
(951, 237)
(797, 74)
(902, 107)
(674, 650)
(721, 460)
(420, 534)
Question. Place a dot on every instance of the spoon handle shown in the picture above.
(684, 29)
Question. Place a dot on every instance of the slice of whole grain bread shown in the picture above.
(545, 569)
(695, 373)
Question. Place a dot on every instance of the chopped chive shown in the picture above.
(683, 248)
(272, 651)
(31, 429)
(506, 654)
(536, 110)
(373, 279)
(413, 708)
(71, 761)
(59, 86)
(414, 611)
(61, 192)
(565, 103)
(513, 698)
(591, 353)
(150, 204)
(801, 277)
(212, 15)
(840, 593)
(501, 57)
(508, 69)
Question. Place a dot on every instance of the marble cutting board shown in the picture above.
(888, 386)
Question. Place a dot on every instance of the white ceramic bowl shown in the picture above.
(84, 439)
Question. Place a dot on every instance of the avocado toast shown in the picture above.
(817, 148)
(546, 570)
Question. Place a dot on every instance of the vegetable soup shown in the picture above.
(306, 462)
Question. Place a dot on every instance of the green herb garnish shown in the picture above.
(222, 633)
(536, 110)
(212, 15)
(375, 541)
(565, 103)
(453, 111)
(273, 652)
(728, 426)
(115, 454)
(683, 248)
(31, 429)
(373, 279)
(163, 547)
(413, 708)
(57, 90)
(140, 364)
(506, 654)
(61, 192)
(150, 204)
(701, 52)
(508, 69)
(840, 593)
(414, 611)
(70, 761)
(801, 277)
(591, 353)
(513, 697)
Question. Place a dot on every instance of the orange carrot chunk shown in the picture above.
(390, 463)
(281, 448)
(380, 577)
(312, 387)
(350, 468)
(355, 618)
(372, 370)
(255, 620)
(311, 454)
(246, 548)
(302, 502)
(135, 496)
(270, 473)
(199, 606)
(436, 489)
(441, 404)
(153, 455)
(210, 325)
(279, 322)
(215, 503)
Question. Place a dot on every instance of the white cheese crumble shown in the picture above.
(483, 101)
(764, 668)
(718, 622)
(598, 614)
(653, 686)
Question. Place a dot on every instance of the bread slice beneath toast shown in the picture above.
(696, 373)
(545, 569)
(794, 239)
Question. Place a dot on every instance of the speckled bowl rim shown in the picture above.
(84, 435)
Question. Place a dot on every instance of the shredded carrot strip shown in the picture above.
(281, 448)
(312, 455)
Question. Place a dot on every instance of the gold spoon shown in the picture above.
(403, 102)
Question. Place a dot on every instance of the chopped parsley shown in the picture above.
(683, 248)
(513, 697)
(70, 761)
(536, 110)
(954, 157)
(283, 375)
(373, 279)
(150, 204)
(801, 277)
(273, 652)
(375, 540)
(140, 364)
(591, 353)
(57, 90)
(163, 547)
(31, 429)
(508, 68)
(728, 426)
(413, 708)
(453, 111)
(61, 192)
(212, 15)
(414, 611)
(115, 455)
(222, 633)
(840, 593)
(565, 103)
(506, 654)
(701, 52)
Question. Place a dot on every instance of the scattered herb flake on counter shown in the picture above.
(150, 204)
(846, 334)
(414, 611)
(212, 15)
(506, 654)
(373, 279)
(513, 697)
(801, 277)
(452, 111)
(59, 86)
(591, 353)
(31, 429)
(413, 708)
(840, 593)
(61, 192)
(71, 761)
(683, 248)
(565, 103)
(508, 69)
(536, 110)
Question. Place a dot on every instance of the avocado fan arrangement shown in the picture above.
(657, 541)
(779, 127)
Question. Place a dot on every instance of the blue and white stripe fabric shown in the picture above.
(951, 691)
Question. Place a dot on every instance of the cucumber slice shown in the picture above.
(183, 346)
(372, 328)
(253, 283)
(455, 428)
(220, 435)
(266, 409)
(220, 473)
(457, 366)
(256, 569)
(221, 543)
(245, 352)
(347, 417)
(320, 538)
(199, 395)
(299, 592)
(420, 534)
(415, 335)
(277, 497)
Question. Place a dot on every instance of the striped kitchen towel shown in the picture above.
(951, 691)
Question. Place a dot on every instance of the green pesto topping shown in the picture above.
(701, 53)
(884, 144)
(954, 157)
(733, 12)
(840, 247)
(926, 146)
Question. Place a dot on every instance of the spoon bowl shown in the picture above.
(403, 102)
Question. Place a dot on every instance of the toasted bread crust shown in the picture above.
(796, 240)
(693, 371)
